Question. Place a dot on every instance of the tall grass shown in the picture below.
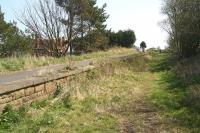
(177, 97)
(12, 64)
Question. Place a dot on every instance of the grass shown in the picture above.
(27, 62)
(176, 98)
(140, 94)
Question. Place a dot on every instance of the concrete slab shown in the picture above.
(24, 79)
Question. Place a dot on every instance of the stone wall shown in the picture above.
(37, 92)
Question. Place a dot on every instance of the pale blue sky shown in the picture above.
(142, 16)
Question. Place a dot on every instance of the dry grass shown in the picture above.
(28, 62)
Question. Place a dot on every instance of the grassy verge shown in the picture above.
(28, 62)
(176, 98)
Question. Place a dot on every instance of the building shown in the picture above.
(45, 47)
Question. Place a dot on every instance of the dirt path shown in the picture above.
(139, 115)
(141, 118)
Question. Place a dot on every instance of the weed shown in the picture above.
(115, 99)
(39, 105)
(66, 100)
(59, 90)
(88, 104)
(94, 74)
(68, 67)
(23, 110)
(47, 120)
(9, 117)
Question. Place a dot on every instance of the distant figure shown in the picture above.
(143, 46)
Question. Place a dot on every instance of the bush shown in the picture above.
(92, 42)
(9, 117)
(124, 38)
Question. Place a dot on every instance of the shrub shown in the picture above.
(9, 117)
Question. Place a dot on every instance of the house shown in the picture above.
(45, 47)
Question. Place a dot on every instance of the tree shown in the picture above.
(126, 38)
(122, 38)
(86, 21)
(143, 46)
(183, 26)
(43, 20)
(73, 19)
(12, 40)
(72, 11)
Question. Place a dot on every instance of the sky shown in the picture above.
(142, 16)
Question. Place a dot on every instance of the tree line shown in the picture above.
(183, 26)
(80, 22)
(12, 40)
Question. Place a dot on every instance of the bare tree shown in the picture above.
(52, 19)
(44, 21)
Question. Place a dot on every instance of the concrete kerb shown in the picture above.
(33, 81)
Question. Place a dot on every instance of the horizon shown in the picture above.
(141, 16)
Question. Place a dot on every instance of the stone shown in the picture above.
(50, 87)
(44, 97)
(61, 81)
(39, 88)
(29, 91)
(18, 94)
(31, 97)
(2, 107)
(40, 93)
(5, 96)
(2, 101)
(8, 99)
(17, 102)
(26, 99)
